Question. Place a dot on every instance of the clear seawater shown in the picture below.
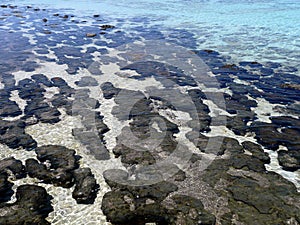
(252, 30)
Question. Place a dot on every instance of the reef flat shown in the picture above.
(125, 122)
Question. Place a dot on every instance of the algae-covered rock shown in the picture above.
(32, 207)
(85, 186)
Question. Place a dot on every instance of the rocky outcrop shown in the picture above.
(5, 188)
(289, 160)
(61, 162)
(86, 187)
(12, 166)
(32, 207)
(59, 166)
(13, 135)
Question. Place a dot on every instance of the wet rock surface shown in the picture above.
(5, 188)
(253, 194)
(14, 136)
(86, 187)
(61, 161)
(145, 204)
(58, 165)
(12, 166)
(32, 207)
(289, 160)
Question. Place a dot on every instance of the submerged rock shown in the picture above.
(60, 160)
(86, 187)
(13, 166)
(57, 177)
(122, 207)
(13, 135)
(105, 27)
(291, 86)
(86, 81)
(8, 107)
(32, 207)
(5, 188)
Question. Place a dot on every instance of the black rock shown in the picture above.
(256, 151)
(32, 207)
(58, 156)
(243, 161)
(105, 27)
(13, 135)
(289, 160)
(183, 207)
(86, 187)
(131, 156)
(9, 108)
(5, 188)
(109, 91)
(11, 165)
(267, 134)
(157, 191)
(42, 79)
(123, 207)
(61, 162)
(166, 74)
(30, 90)
(57, 177)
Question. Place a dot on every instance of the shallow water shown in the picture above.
(78, 92)
(261, 31)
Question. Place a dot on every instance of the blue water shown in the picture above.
(255, 30)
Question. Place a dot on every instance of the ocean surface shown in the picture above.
(251, 30)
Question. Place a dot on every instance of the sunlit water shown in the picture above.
(253, 30)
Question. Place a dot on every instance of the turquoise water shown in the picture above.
(266, 30)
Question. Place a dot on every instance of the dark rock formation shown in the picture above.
(5, 188)
(109, 91)
(256, 151)
(59, 166)
(92, 135)
(13, 135)
(253, 189)
(58, 156)
(8, 107)
(86, 187)
(57, 177)
(140, 205)
(62, 162)
(12, 166)
(105, 27)
(131, 156)
(32, 207)
(161, 72)
(289, 160)
(86, 81)
(188, 210)
(202, 118)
